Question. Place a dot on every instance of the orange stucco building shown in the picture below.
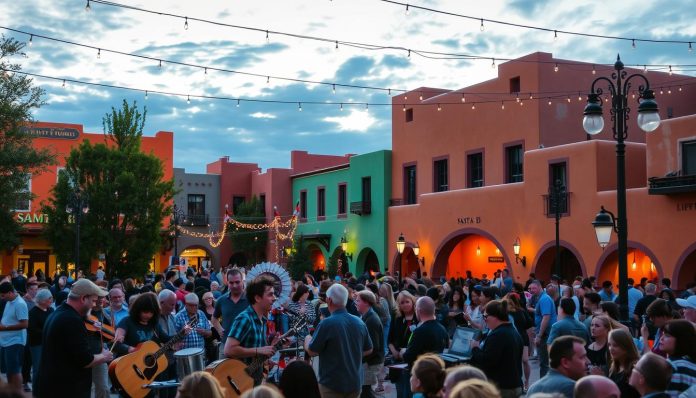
(483, 179)
(34, 252)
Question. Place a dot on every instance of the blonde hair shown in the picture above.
(200, 384)
(262, 391)
(407, 295)
(429, 369)
(474, 388)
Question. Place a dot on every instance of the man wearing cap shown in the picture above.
(66, 358)
(202, 326)
(689, 306)
(13, 333)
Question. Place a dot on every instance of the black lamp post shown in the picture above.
(77, 206)
(619, 86)
(557, 196)
(178, 216)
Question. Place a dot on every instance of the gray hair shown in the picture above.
(164, 294)
(191, 298)
(338, 295)
(650, 288)
(42, 295)
(426, 306)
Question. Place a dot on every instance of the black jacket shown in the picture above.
(429, 337)
(374, 328)
(501, 357)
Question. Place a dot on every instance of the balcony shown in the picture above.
(361, 208)
(672, 184)
(563, 205)
(196, 220)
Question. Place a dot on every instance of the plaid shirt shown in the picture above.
(193, 339)
(249, 330)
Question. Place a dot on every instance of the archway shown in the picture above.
(470, 250)
(406, 263)
(238, 259)
(641, 263)
(367, 261)
(571, 262)
(685, 271)
(196, 257)
(316, 256)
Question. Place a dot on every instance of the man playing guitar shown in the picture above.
(247, 338)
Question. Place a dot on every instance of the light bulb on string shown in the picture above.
(633, 44)
(237, 103)
(268, 39)
(160, 64)
(88, 8)
(555, 36)
(405, 97)
(439, 108)
(593, 70)
(268, 79)
(680, 89)
(185, 23)
(473, 106)
(409, 53)
(492, 63)
(463, 98)
(299, 106)
(555, 67)
(389, 92)
(420, 96)
(146, 95)
(521, 103)
(645, 69)
(670, 70)
(341, 107)
(531, 97)
(482, 28)
(569, 99)
(205, 73)
(661, 91)
(99, 53)
(63, 83)
(669, 90)
(188, 99)
(579, 97)
(517, 97)
(404, 109)
(31, 39)
(502, 105)
(690, 49)
(549, 101)
(367, 106)
(333, 88)
(408, 11)
(336, 44)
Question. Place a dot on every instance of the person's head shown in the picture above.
(461, 373)
(7, 291)
(458, 297)
(32, 288)
(475, 296)
(650, 289)
(425, 309)
(167, 301)
(235, 281)
(200, 384)
(83, 295)
(260, 293)
(214, 286)
(535, 287)
(405, 303)
(428, 375)
(659, 312)
(365, 300)
(600, 327)
(43, 298)
(610, 308)
(336, 297)
(299, 381)
(567, 292)
(208, 300)
(567, 355)
(496, 313)
(591, 302)
(488, 295)
(145, 309)
(301, 292)
(566, 307)
(667, 294)
(679, 339)
(170, 275)
(594, 386)
(689, 307)
(191, 303)
(474, 388)
(607, 286)
(652, 373)
(666, 283)
(622, 350)
(114, 284)
(116, 297)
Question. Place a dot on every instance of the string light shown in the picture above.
(188, 99)
(160, 64)
(473, 106)
(333, 88)
(389, 92)
(661, 91)
(237, 103)
(185, 23)
(63, 83)
(336, 44)
(268, 39)
(555, 35)
(88, 8)
(409, 53)
(517, 97)
(407, 10)
(531, 97)
(268, 79)
(555, 67)
(502, 105)
(404, 109)
(482, 28)
(341, 107)
(549, 101)
(579, 97)
(299, 106)
(670, 70)
(420, 96)
(633, 44)
(439, 108)
(99, 53)
(521, 103)
(31, 38)
(645, 69)
(593, 70)
(680, 89)
(569, 99)
(367, 106)
(492, 63)
(145, 94)
(463, 98)
(669, 90)
(690, 49)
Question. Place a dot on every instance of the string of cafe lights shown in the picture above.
(516, 97)
(556, 32)
(366, 46)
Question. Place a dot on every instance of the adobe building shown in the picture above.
(34, 253)
(493, 153)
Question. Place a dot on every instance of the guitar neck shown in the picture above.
(260, 359)
(176, 338)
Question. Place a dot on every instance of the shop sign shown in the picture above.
(52, 132)
(496, 259)
(469, 220)
(688, 206)
(32, 218)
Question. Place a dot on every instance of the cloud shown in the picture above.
(355, 121)
(262, 115)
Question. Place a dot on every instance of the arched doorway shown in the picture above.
(470, 250)
(641, 263)
(685, 271)
(367, 261)
(406, 263)
(316, 256)
(571, 265)
(196, 257)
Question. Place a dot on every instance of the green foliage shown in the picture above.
(248, 241)
(18, 99)
(300, 261)
(127, 201)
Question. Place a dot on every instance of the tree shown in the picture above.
(18, 158)
(251, 242)
(128, 199)
(299, 262)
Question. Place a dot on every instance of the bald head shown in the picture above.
(594, 386)
(425, 308)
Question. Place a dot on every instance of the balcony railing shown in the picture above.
(196, 220)
(563, 205)
(361, 208)
(672, 184)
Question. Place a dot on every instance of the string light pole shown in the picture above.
(178, 216)
(557, 197)
(619, 86)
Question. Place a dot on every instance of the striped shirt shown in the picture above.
(683, 375)
(193, 339)
(249, 330)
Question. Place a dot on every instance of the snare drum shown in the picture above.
(189, 360)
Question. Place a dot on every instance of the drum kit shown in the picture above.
(188, 360)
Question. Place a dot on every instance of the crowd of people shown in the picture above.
(353, 334)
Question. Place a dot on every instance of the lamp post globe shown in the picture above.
(603, 225)
(401, 243)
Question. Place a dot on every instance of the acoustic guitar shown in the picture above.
(236, 377)
(130, 373)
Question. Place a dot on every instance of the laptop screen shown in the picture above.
(461, 341)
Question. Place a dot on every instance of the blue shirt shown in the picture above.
(193, 339)
(15, 311)
(607, 297)
(553, 382)
(633, 296)
(544, 306)
(117, 316)
(340, 341)
(569, 326)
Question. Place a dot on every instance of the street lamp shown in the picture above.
(516, 250)
(648, 120)
(557, 196)
(401, 243)
(344, 247)
(177, 216)
(77, 206)
(604, 223)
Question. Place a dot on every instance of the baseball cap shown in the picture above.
(689, 302)
(85, 287)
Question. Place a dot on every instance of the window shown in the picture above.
(410, 184)
(59, 171)
(514, 156)
(24, 196)
(409, 115)
(474, 164)
(557, 172)
(262, 204)
(367, 189)
(236, 201)
(321, 203)
(342, 199)
(303, 204)
(689, 158)
(440, 179)
(515, 85)
(196, 205)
